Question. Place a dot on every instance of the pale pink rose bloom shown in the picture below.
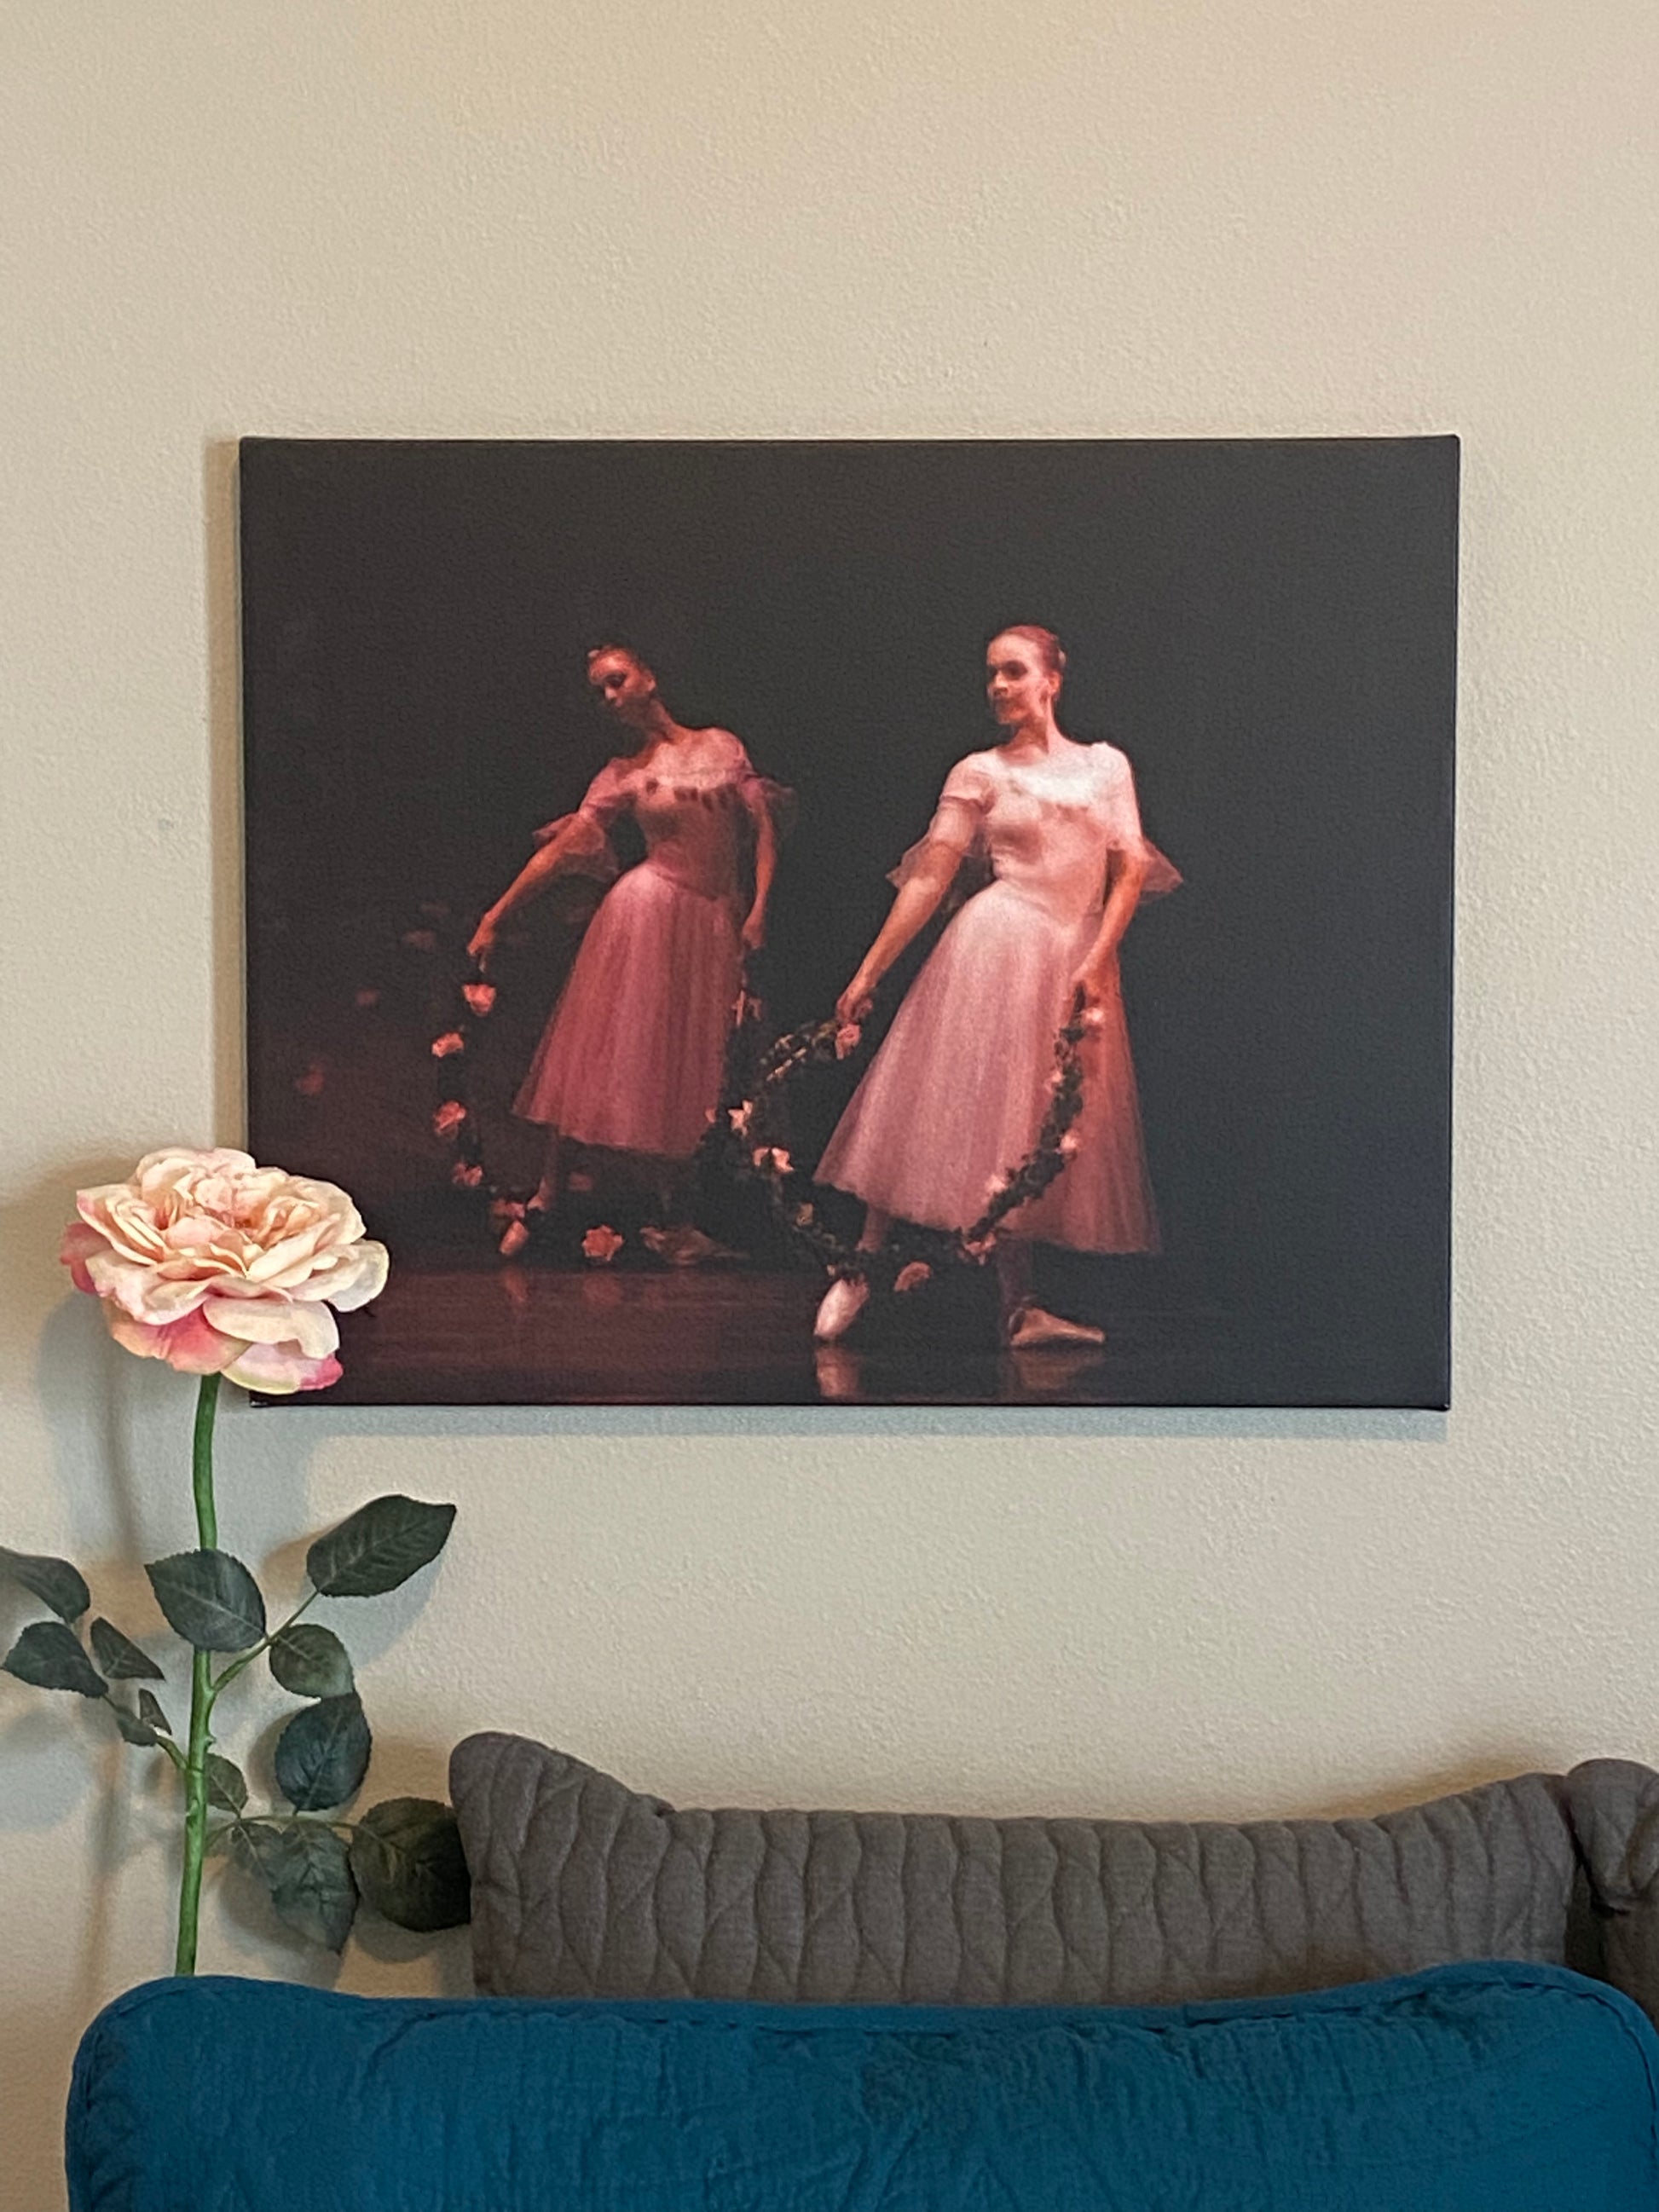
(913, 1275)
(447, 1046)
(602, 1244)
(218, 1265)
(480, 997)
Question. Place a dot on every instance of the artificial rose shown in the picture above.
(219, 1266)
(601, 1245)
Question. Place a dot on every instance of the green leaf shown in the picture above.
(226, 1791)
(210, 1598)
(152, 1714)
(381, 1545)
(54, 1581)
(407, 1855)
(135, 1731)
(323, 1754)
(312, 1661)
(120, 1657)
(49, 1655)
(307, 1870)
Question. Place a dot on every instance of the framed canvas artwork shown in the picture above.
(862, 923)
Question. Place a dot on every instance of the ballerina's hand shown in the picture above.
(853, 1007)
(1099, 984)
(754, 933)
(481, 943)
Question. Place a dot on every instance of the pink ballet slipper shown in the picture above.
(1032, 1328)
(843, 1302)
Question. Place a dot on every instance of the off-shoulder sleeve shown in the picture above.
(759, 793)
(588, 850)
(959, 823)
(1124, 832)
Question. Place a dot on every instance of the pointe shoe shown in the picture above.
(843, 1302)
(1031, 1327)
(683, 1246)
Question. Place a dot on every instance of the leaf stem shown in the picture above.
(201, 1690)
(247, 1658)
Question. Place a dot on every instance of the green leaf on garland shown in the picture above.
(211, 1600)
(407, 1855)
(48, 1655)
(54, 1581)
(120, 1658)
(379, 1546)
(311, 1661)
(135, 1731)
(151, 1714)
(227, 1790)
(322, 1755)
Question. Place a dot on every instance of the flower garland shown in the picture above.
(750, 1140)
(911, 1253)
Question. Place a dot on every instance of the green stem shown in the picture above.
(201, 1691)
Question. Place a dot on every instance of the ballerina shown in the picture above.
(633, 1056)
(956, 1093)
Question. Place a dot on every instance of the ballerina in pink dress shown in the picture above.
(633, 1056)
(956, 1094)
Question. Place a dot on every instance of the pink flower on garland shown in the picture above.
(772, 1160)
(913, 1275)
(447, 1046)
(1070, 1144)
(467, 1175)
(221, 1266)
(448, 1118)
(601, 1245)
(480, 998)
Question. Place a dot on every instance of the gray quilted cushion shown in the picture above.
(580, 1886)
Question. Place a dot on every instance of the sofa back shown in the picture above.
(582, 1887)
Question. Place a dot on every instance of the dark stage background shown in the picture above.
(1268, 628)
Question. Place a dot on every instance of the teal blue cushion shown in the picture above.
(1524, 2087)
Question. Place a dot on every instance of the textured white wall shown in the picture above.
(895, 216)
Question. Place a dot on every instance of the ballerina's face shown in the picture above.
(1017, 683)
(624, 686)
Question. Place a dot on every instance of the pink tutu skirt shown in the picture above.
(954, 1099)
(634, 1055)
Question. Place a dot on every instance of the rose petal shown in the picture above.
(276, 1320)
(278, 1369)
(189, 1345)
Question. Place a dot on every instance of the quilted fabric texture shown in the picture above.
(583, 1887)
(1464, 2090)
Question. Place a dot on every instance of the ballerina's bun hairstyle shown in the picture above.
(627, 652)
(1050, 650)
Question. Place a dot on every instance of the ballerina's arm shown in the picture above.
(1097, 976)
(926, 881)
(576, 840)
(766, 863)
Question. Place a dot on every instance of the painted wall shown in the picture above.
(462, 217)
